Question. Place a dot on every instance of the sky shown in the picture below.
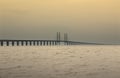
(84, 20)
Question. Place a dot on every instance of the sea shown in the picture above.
(73, 61)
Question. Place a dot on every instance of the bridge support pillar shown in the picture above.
(50, 43)
(53, 42)
(30, 43)
(26, 42)
(37, 43)
(22, 43)
(47, 43)
(13, 43)
(43, 43)
(17, 43)
(34, 43)
(2, 43)
(7, 43)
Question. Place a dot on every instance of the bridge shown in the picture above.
(58, 41)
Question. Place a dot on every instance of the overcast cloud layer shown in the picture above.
(84, 20)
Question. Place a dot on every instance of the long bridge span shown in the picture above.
(36, 42)
(58, 41)
(39, 43)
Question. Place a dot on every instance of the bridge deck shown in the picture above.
(39, 42)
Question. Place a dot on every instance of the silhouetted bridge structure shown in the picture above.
(38, 42)
(58, 41)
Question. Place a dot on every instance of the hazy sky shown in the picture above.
(84, 20)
